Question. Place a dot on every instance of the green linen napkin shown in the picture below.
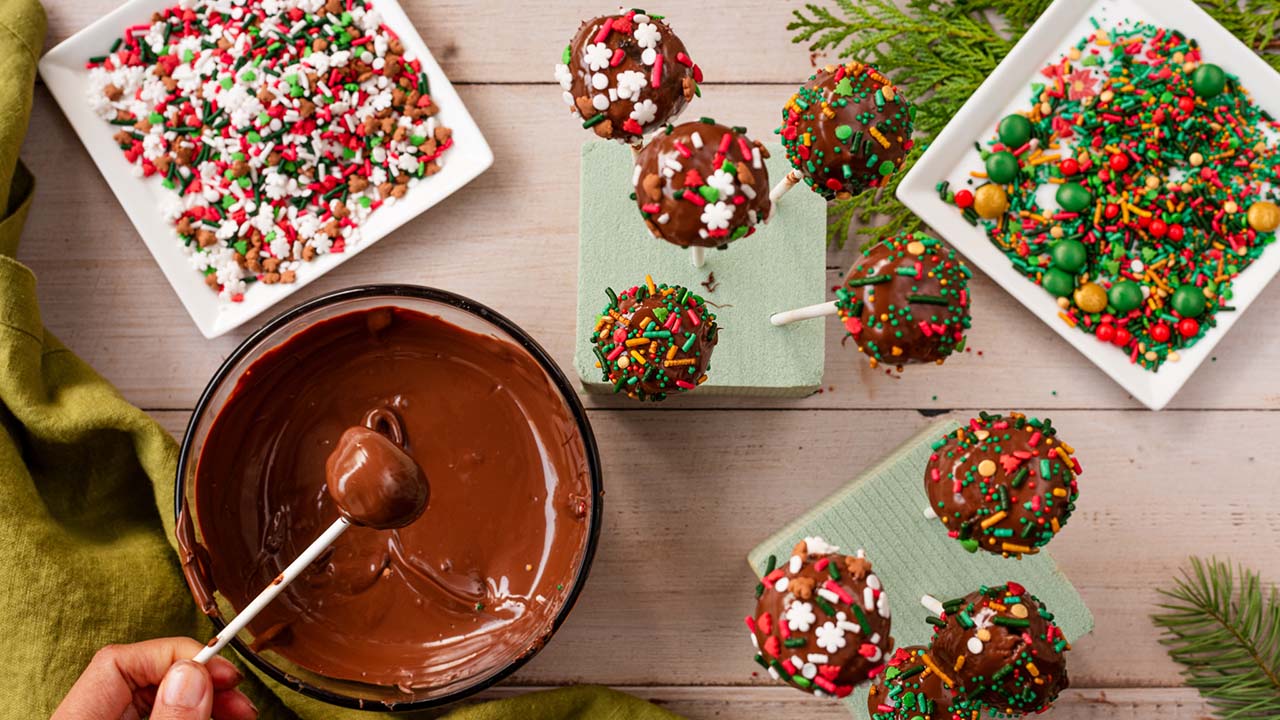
(86, 487)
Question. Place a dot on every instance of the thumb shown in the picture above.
(186, 693)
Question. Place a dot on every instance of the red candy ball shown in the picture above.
(1176, 233)
(1106, 333)
(1122, 337)
(1188, 327)
(1111, 210)
(1186, 104)
(1069, 167)
(964, 199)
(1160, 332)
(1119, 162)
(1158, 228)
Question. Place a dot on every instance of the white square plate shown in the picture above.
(953, 155)
(63, 71)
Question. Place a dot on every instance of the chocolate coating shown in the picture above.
(906, 301)
(373, 480)
(909, 689)
(1009, 650)
(822, 620)
(1002, 483)
(629, 79)
(847, 129)
(472, 585)
(702, 183)
(652, 340)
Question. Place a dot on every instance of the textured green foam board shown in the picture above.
(782, 266)
(883, 512)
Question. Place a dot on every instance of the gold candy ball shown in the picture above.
(1264, 216)
(1091, 298)
(990, 201)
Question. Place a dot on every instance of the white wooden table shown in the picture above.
(662, 612)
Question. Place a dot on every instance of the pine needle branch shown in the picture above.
(938, 52)
(1224, 629)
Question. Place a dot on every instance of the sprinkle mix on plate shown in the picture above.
(1140, 183)
(280, 125)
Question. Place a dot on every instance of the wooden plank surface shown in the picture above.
(661, 615)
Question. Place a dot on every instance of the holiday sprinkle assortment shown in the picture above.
(279, 125)
(1136, 188)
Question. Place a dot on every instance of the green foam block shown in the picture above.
(780, 267)
(883, 512)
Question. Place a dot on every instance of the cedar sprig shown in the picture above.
(1223, 626)
(939, 52)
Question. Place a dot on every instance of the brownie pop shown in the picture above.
(626, 75)
(846, 130)
(702, 185)
(1000, 647)
(822, 620)
(653, 340)
(1003, 483)
(905, 301)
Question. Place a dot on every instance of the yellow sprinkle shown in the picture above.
(1059, 492)
(993, 519)
(675, 363)
(1054, 524)
(976, 174)
(648, 281)
(671, 351)
(638, 357)
(1031, 668)
(637, 342)
(1066, 459)
(928, 662)
(1042, 159)
(1067, 319)
(1020, 549)
(645, 322)
(874, 132)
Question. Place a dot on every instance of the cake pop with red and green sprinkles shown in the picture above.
(626, 75)
(702, 184)
(1006, 484)
(822, 620)
(909, 689)
(1000, 648)
(847, 129)
(906, 301)
(654, 340)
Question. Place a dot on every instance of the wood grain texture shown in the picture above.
(509, 240)
(671, 581)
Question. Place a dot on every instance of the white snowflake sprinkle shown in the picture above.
(717, 216)
(830, 638)
(800, 616)
(647, 35)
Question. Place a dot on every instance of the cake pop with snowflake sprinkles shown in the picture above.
(654, 340)
(1000, 647)
(702, 185)
(906, 301)
(822, 620)
(847, 129)
(1004, 483)
(626, 75)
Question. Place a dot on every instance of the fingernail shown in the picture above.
(185, 685)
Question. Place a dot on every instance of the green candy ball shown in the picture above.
(1002, 167)
(1208, 80)
(1069, 255)
(1188, 301)
(1014, 131)
(1125, 296)
(1073, 197)
(1059, 282)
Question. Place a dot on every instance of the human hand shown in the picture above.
(156, 679)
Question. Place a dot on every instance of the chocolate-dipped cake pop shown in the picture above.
(909, 689)
(702, 184)
(906, 301)
(1003, 483)
(1000, 647)
(847, 129)
(626, 75)
(653, 340)
(822, 620)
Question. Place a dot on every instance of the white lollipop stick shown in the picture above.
(698, 254)
(784, 185)
(245, 616)
(805, 313)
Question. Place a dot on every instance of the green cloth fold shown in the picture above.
(86, 489)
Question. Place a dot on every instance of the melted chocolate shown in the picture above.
(373, 481)
(847, 129)
(703, 184)
(629, 79)
(906, 301)
(822, 621)
(472, 585)
(1000, 484)
(1000, 647)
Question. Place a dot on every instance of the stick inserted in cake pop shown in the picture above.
(374, 483)
(784, 185)
(787, 317)
(698, 255)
